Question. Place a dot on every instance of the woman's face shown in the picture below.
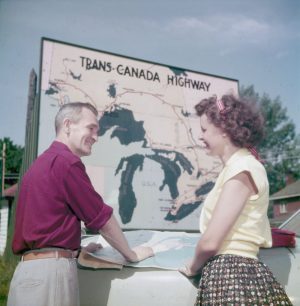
(212, 137)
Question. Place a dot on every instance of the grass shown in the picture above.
(6, 272)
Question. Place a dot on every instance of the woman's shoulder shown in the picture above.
(244, 161)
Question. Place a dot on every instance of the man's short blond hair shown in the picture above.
(72, 111)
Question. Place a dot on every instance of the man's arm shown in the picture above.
(113, 234)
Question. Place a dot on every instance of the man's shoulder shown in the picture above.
(57, 159)
(57, 156)
(61, 151)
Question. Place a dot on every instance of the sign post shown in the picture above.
(2, 169)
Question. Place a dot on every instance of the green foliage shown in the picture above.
(281, 146)
(14, 154)
(6, 273)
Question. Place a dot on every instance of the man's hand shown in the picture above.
(92, 247)
(140, 253)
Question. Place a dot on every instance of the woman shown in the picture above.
(234, 222)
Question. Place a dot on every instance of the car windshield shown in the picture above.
(293, 223)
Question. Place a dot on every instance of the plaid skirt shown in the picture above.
(236, 280)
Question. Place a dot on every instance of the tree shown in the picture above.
(13, 160)
(280, 148)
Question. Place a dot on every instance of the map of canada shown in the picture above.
(148, 157)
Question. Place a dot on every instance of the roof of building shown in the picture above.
(289, 191)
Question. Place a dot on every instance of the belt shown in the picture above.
(49, 254)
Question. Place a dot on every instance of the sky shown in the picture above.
(256, 42)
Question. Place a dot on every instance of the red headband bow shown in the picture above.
(221, 107)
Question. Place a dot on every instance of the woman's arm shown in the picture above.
(231, 202)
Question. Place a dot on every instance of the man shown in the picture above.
(55, 196)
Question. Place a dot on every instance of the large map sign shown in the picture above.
(148, 156)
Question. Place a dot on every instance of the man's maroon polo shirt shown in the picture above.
(55, 195)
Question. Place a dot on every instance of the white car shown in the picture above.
(285, 262)
(149, 286)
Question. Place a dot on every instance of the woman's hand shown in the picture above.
(188, 271)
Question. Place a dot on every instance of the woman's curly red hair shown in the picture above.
(241, 120)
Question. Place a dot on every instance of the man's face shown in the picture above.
(83, 134)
